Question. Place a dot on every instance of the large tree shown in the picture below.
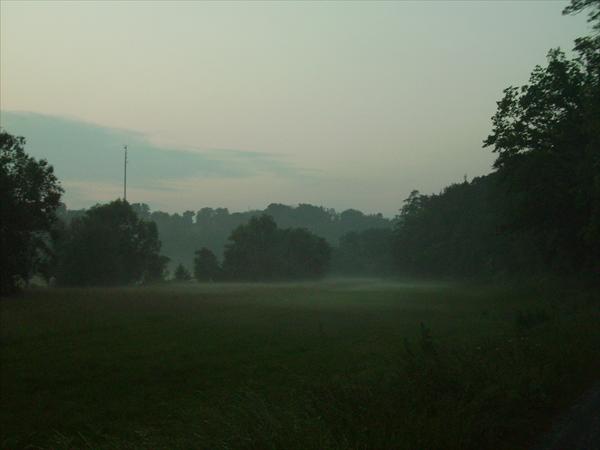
(181, 273)
(110, 245)
(29, 196)
(206, 265)
(252, 251)
(259, 250)
(540, 210)
(547, 137)
(367, 252)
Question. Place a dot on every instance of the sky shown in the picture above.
(242, 104)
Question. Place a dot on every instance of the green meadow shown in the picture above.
(339, 364)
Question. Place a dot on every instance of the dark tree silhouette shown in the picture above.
(546, 134)
(259, 250)
(367, 253)
(29, 196)
(303, 254)
(253, 251)
(109, 245)
(206, 265)
(211, 227)
(539, 211)
(182, 274)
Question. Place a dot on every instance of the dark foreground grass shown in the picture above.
(348, 364)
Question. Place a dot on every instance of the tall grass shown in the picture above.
(340, 365)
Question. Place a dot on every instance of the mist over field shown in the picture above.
(298, 225)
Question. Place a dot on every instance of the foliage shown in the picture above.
(206, 266)
(366, 253)
(454, 233)
(29, 196)
(211, 227)
(182, 274)
(593, 7)
(109, 245)
(539, 211)
(546, 137)
(259, 250)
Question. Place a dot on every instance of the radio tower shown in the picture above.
(125, 175)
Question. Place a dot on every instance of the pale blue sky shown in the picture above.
(344, 104)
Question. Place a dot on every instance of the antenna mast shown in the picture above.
(125, 175)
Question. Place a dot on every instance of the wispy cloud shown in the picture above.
(87, 153)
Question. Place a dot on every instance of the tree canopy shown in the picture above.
(539, 211)
(29, 196)
(259, 251)
(182, 233)
(547, 137)
(365, 253)
(181, 273)
(110, 245)
(206, 266)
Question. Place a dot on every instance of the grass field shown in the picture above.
(337, 364)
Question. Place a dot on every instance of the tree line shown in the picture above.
(537, 212)
(261, 251)
(182, 233)
(112, 245)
